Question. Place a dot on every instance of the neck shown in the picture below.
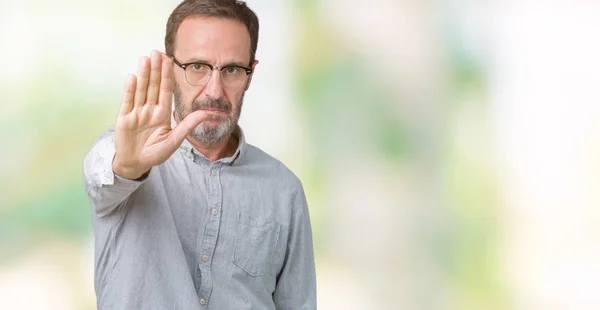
(220, 150)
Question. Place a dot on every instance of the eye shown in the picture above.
(232, 70)
(198, 67)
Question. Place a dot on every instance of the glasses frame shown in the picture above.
(212, 68)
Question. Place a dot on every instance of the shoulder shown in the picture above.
(103, 146)
(105, 138)
(272, 168)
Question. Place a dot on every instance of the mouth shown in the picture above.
(213, 110)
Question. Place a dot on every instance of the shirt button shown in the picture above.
(214, 211)
(205, 258)
(213, 172)
(202, 301)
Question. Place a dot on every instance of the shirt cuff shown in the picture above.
(119, 179)
(102, 170)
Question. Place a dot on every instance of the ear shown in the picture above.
(251, 75)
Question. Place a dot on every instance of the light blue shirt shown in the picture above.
(193, 234)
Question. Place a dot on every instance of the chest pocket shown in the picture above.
(255, 244)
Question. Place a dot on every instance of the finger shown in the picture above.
(154, 83)
(142, 81)
(128, 95)
(186, 126)
(166, 84)
(164, 56)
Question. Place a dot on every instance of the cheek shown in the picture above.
(235, 97)
(186, 93)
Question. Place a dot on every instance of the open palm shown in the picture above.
(143, 133)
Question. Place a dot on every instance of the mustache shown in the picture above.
(222, 105)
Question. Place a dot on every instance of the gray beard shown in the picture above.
(210, 135)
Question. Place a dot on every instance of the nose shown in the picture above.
(214, 87)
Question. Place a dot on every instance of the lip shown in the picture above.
(213, 110)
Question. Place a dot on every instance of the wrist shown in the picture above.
(127, 171)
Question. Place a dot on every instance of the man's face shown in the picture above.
(219, 42)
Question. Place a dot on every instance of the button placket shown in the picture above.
(211, 231)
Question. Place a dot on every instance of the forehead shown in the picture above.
(213, 39)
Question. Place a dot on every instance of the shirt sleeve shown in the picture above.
(296, 283)
(105, 190)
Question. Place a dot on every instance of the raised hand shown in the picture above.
(143, 134)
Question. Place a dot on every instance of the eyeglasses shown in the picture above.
(198, 73)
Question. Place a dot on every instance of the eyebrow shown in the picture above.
(203, 61)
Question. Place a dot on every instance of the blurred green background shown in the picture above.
(449, 149)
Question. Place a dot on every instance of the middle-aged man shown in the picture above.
(192, 216)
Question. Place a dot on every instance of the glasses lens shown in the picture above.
(197, 74)
(233, 77)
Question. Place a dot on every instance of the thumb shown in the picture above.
(186, 125)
